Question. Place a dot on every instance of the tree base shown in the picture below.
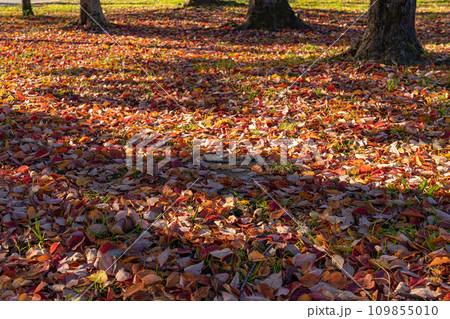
(390, 33)
(197, 3)
(27, 13)
(27, 9)
(403, 51)
(296, 24)
(271, 15)
(91, 14)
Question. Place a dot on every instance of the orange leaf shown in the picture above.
(439, 261)
(277, 214)
(24, 297)
(43, 258)
(54, 247)
(365, 169)
(23, 169)
(256, 256)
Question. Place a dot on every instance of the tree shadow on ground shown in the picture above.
(376, 216)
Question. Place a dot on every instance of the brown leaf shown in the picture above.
(337, 280)
(201, 293)
(133, 289)
(265, 290)
(424, 293)
(162, 257)
(309, 280)
(412, 213)
(221, 253)
(173, 280)
(151, 279)
(301, 259)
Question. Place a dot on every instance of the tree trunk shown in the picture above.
(271, 15)
(91, 14)
(390, 33)
(195, 3)
(27, 10)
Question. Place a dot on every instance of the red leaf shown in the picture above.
(56, 159)
(412, 213)
(54, 247)
(331, 88)
(75, 240)
(273, 206)
(41, 153)
(106, 247)
(360, 211)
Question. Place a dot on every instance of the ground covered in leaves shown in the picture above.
(359, 211)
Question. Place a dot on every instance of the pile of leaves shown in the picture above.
(358, 211)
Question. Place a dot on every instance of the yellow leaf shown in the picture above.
(78, 152)
(99, 276)
(380, 263)
(82, 181)
(83, 139)
(309, 173)
(24, 297)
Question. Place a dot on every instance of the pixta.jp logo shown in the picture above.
(150, 152)
(146, 145)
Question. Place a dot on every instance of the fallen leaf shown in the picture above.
(98, 277)
(195, 270)
(439, 261)
(256, 256)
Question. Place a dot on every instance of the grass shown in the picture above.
(279, 168)
(429, 190)
(71, 9)
(353, 5)
(288, 126)
(121, 172)
(391, 84)
(37, 231)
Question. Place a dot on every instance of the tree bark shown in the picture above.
(91, 14)
(27, 9)
(271, 15)
(195, 3)
(390, 33)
